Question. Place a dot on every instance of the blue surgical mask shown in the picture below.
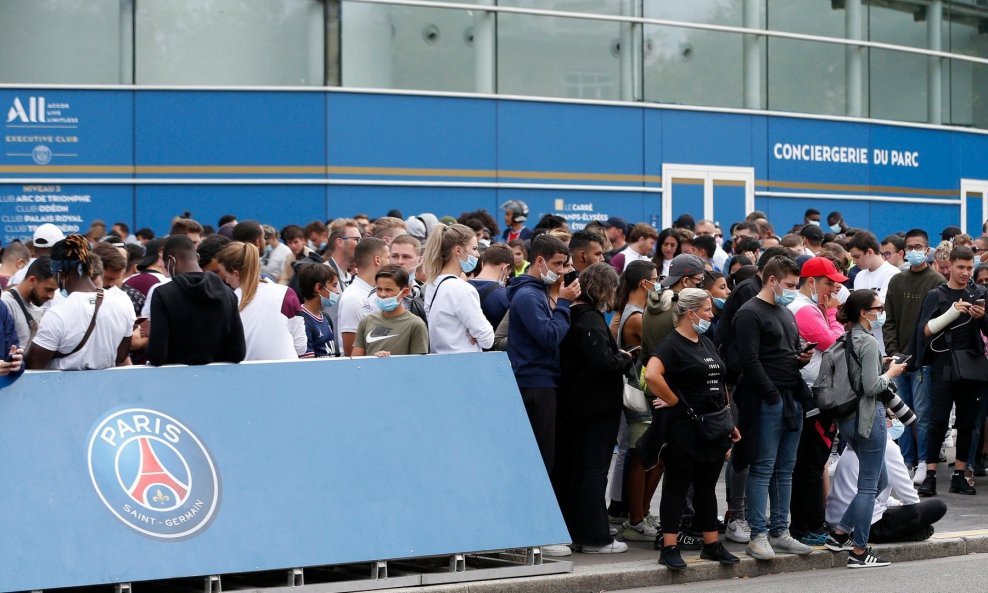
(330, 301)
(64, 293)
(916, 258)
(896, 430)
(468, 264)
(387, 305)
(719, 302)
(788, 295)
(701, 326)
(835, 228)
(879, 321)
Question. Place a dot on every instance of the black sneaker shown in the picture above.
(839, 542)
(866, 560)
(959, 485)
(718, 553)
(929, 487)
(689, 542)
(669, 556)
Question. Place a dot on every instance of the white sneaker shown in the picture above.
(738, 531)
(785, 543)
(613, 530)
(615, 547)
(653, 522)
(556, 550)
(920, 474)
(759, 548)
(641, 532)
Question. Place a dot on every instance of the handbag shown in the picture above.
(713, 426)
(634, 399)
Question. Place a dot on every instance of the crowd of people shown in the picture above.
(643, 357)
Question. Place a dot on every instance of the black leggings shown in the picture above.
(807, 506)
(944, 394)
(682, 471)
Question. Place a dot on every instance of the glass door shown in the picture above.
(721, 194)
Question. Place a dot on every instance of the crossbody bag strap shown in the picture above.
(436, 293)
(89, 330)
(31, 321)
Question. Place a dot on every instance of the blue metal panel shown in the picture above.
(570, 139)
(70, 207)
(783, 131)
(277, 205)
(405, 132)
(652, 143)
(913, 158)
(308, 456)
(212, 128)
(693, 138)
(582, 207)
(888, 217)
(56, 127)
(411, 201)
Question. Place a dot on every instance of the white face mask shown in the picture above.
(548, 276)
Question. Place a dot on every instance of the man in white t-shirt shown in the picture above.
(641, 243)
(359, 299)
(61, 341)
(874, 273)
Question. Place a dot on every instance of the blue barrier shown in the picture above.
(139, 474)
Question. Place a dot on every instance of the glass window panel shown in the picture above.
(805, 76)
(230, 42)
(897, 23)
(64, 42)
(694, 67)
(397, 47)
(612, 7)
(558, 57)
(898, 85)
(967, 80)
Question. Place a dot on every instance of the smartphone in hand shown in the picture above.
(570, 277)
(809, 347)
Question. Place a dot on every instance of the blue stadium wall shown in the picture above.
(286, 156)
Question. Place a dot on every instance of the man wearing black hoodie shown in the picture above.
(195, 316)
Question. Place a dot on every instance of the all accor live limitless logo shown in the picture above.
(37, 110)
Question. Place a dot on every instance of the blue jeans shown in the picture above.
(979, 426)
(871, 471)
(770, 473)
(914, 389)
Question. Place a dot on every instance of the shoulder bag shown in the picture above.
(89, 330)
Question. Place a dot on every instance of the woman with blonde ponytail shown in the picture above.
(267, 332)
(456, 321)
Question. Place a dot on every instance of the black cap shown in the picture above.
(812, 232)
(152, 251)
(616, 222)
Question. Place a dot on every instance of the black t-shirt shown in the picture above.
(965, 331)
(695, 373)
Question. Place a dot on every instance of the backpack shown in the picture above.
(832, 389)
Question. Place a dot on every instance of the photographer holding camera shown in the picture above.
(865, 430)
(952, 320)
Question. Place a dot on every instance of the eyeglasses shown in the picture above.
(354, 239)
(887, 254)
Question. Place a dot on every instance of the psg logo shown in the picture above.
(153, 473)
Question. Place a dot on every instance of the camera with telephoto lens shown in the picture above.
(894, 404)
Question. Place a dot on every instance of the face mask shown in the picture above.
(916, 258)
(468, 264)
(815, 296)
(330, 301)
(814, 222)
(387, 305)
(64, 293)
(548, 277)
(879, 321)
(484, 243)
(788, 295)
(719, 302)
(701, 326)
(896, 430)
(835, 228)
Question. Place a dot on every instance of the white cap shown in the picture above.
(47, 235)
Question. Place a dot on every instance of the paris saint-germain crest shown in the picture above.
(153, 473)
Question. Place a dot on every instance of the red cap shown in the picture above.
(821, 266)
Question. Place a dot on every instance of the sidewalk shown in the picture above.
(964, 530)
